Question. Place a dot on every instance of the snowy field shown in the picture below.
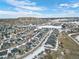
(77, 37)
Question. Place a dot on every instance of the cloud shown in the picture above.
(64, 5)
(13, 14)
(19, 14)
(27, 5)
(75, 5)
(22, 8)
(72, 5)
(70, 12)
(65, 13)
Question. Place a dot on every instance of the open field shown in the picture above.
(68, 49)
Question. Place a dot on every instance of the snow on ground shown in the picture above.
(47, 26)
(77, 37)
(35, 53)
(41, 48)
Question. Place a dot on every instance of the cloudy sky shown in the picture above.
(39, 8)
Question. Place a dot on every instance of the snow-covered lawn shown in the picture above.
(35, 53)
(77, 37)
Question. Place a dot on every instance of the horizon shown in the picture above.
(39, 8)
(35, 17)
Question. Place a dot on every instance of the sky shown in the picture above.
(39, 8)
